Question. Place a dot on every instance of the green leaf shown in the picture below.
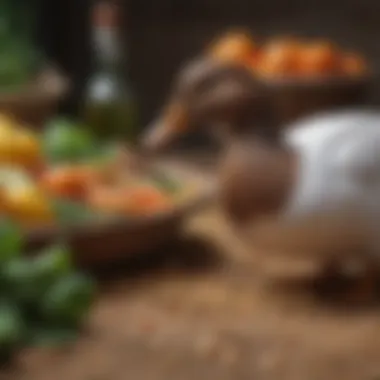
(11, 240)
(65, 141)
(69, 300)
(67, 212)
(12, 326)
(20, 282)
(51, 264)
(27, 279)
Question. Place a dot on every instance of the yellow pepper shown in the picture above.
(28, 206)
(19, 147)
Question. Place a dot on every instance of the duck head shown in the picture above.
(228, 101)
(223, 98)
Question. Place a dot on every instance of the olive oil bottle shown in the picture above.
(109, 107)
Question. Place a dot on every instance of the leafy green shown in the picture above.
(69, 299)
(11, 240)
(53, 263)
(43, 299)
(28, 279)
(68, 211)
(66, 141)
(19, 280)
(12, 328)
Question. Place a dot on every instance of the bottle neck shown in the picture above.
(106, 47)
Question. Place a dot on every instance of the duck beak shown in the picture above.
(169, 126)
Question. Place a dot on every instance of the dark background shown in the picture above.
(63, 33)
(162, 34)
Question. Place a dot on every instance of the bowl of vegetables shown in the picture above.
(63, 183)
(303, 75)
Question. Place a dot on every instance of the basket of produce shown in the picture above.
(65, 184)
(304, 75)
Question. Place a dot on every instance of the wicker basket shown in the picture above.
(98, 243)
(293, 99)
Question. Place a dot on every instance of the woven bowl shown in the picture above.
(35, 102)
(109, 241)
(295, 98)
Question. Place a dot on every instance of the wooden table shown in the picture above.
(200, 310)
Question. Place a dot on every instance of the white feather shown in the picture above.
(339, 171)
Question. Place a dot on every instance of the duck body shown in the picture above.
(333, 206)
(315, 183)
(338, 164)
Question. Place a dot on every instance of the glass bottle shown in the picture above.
(109, 108)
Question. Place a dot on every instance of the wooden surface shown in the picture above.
(200, 310)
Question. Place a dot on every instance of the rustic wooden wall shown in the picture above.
(63, 34)
(164, 33)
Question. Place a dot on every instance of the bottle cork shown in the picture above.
(105, 14)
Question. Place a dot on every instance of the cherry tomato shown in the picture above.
(69, 181)
(318, 58)
(354, 64)
(234, 47)
(279, 58)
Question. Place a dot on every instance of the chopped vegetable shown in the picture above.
(65, 141)
(69, 181)
(80, 181)
(67, 211)
(130, 201)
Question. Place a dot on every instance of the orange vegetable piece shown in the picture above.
(236, 47)
(69, 181)
(105, 198)
(146, 200)
(128, 201)
(318, 58)
(353, 63)
(279, 58)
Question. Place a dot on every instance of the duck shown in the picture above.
(308, 190)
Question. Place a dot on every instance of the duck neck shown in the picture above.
(268, 170)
